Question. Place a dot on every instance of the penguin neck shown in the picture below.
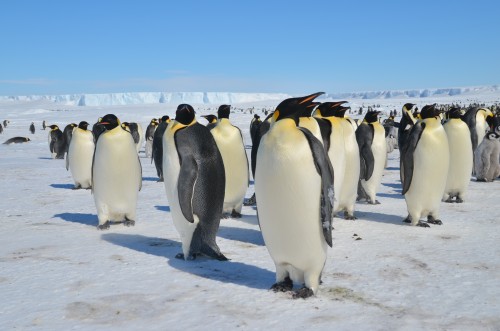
(224, 121)
(285, 123)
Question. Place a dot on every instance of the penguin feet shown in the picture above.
(235, 214)
(252, 201)
(347, 216)
(160, 180)
(77, 187)
(303, 293)
(432, 220)
(449, 200)
(481, 180)
(191, 257)
(459, 200)
(284, 286)
(104, 226)
(225, 215)
(128, 222)
(374, 202)
(407, 219)
(423, 224)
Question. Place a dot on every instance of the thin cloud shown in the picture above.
(29, 81)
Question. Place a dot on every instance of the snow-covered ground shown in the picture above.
(58, 272)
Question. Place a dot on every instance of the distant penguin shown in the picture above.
(425, 163)
(212, 121)
(56, 142)
(150, 130)
(44, 125)
(79, 157)
(476, 120)
(32, 128)
(486, 157)
(157, 152)
(254, 126)
(194, 182)
(370, 136)
(232, 148)
(461, 157)
(67, 134)
(116, 175)
(294, 191)
(16, 140)
(1, 128)
(5, 123)
(97, 129)
(135, 130)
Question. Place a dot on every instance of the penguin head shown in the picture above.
(210, 118)
(153, 122)
(256, 117)
(429, 111)
(83, 125)
(408, 106)
(328, 109)
(296, 107)
(165, 118)
(27, 139)
(125, 125)
(454, 112)
(109, 121)
(492, 135)
(53, 127)
(371, 116)
(223, 111)
(184, 114)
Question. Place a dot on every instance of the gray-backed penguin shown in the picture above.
(294, 191)
(476, 120)
(150, 131)
(57, 143)
(425, 163)
(157, 151)
(461, 157)
(370, 136)
(1, 128)
(212, 121)
(194, 182)
(254, 126)
(116, 175)
(232, 148)
(16, 140)
(67, 134)
(79, 157)
(32, 128)
(486, 158)
(135, 130)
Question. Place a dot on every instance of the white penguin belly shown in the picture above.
(171, 168)
(347, 196)
(80, 154)
(379, 150)
(461, 157)
(288, 190)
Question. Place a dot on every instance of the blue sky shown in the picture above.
(87, 46)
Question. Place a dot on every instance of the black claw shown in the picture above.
(459, 200)
(235, 214)
(128, 222)
(104, 226)
(423, 224)
(407, 219)
(435, 221)
(252, 201)
(284, 286)
(303, 293)
(180, 256)
(349, 217)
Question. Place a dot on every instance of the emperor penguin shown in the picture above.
(135, 130)
(254, 126)
(97, 129)
(461, 157)
(157, 151)
(5, 123)
(32, 128)
(486, 157)
(1, 128)
(295, 192)
(425, 163)
(230, 143)
(150, 130)
(67, 134)
(405, 124)
(116, 175)
(370, 136)
(79, 157)
(56, 142)
(212, 121)
(16, 140)
(346, 193)
(476, 120)
(194, 177)
(44, 125)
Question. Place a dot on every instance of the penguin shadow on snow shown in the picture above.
(163, 208)
(223, 271)
(391, 195)
(86, 219)
(150, 179)
(63, 186)
(379, 217)
(44, 158)
(250, 236)
(392, 168)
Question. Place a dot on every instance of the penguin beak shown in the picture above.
(310, 98)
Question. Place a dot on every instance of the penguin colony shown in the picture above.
(309, 162)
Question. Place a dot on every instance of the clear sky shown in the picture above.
(100, 46)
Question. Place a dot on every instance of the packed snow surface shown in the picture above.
(58, 272)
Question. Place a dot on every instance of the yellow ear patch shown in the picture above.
(276, 115)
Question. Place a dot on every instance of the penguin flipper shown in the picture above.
(325, 127)
(407, 155)
(364, 137)
(67, 160)
(325, 170)
(187, 175)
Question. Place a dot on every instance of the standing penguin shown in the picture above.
(116, 175)
(476, 120)
(486, 158)
(44, 125)
(370, 136)
(254, 126)
(157, 154)
(56, 142)
(347, 192)
(425, 163)
(212, 121)
(405, 124)
(67, 134)
(150, 130)
(1, 128)
(32, 128)
(194, 182)
(294, 191)
(461, 157)
(97, 129)
(135, 130)
(5, 122)
(230, 143)
(79, 157)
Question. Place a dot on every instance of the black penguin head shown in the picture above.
(109, 121)
(296, 107)
(210, 118)
(27, 139)
(454, 112)
(53, 127)
(184, 114)
(224, 111)
(256, 117)
(328, 109)
(429, 111)
(83, 125)
(408, 106)
(165, 118)
(372, 116)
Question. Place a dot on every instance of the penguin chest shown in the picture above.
(288, 190)
(80, 154)
(461, 157)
